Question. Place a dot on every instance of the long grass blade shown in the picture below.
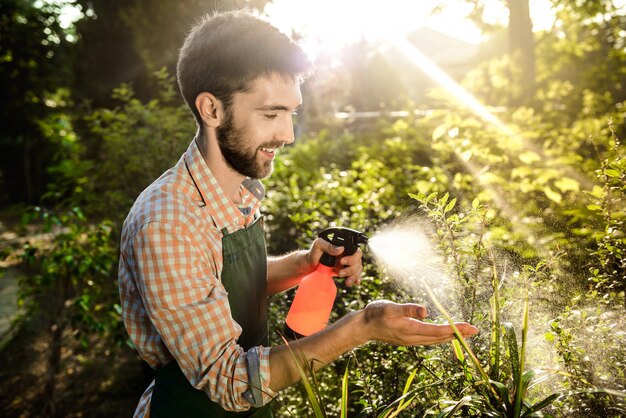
(461, 340)
(520, 387)
(541, 404)
(315, 404)
(453, 409)
(344, 392)
(403, 402)
(494, 349)
(504, 395)
(458, 352)
(511, 340)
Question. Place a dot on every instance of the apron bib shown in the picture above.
(244, 277)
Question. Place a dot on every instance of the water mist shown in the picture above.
(405, 251)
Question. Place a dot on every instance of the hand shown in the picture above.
(399, 324)
(349, 267)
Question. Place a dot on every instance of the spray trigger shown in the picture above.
(347, 238)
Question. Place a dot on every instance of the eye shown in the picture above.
(271, 116)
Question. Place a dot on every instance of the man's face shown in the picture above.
(258, 123)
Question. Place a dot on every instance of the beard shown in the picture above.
(232, 140)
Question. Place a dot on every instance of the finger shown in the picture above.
(431, 340)
(352, 279)
(329, 248)
(467, 330)
(353, 259)
(428, 340)
(439, 333)
(416, 327)
(321, 246)
(349, 271)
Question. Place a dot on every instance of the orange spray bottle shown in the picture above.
(311, 307)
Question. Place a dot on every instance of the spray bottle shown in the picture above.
(311, 307)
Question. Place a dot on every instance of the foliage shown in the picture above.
(355, 194)
(129, 147)
(541, 185)
(609, 277)
(34, 61)
(74, 262)
(72, 285)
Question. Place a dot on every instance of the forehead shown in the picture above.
(273, 90)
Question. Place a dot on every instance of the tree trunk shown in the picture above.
(52, 369)
(56, 327)
(522, 53)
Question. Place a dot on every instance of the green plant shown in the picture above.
(609, 277)
(311, 385)
(493, 395)
(72, 284)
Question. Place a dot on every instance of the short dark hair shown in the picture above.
(225, 52)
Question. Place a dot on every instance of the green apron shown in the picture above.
(244, 277)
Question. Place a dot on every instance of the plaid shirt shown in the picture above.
(174, 305)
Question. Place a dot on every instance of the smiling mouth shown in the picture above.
(271, 152)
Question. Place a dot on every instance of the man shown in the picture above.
(194, 275)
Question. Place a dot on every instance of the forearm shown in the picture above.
(286, 271)
(319, 349)
(384, 321)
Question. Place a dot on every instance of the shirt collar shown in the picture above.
(224, 212)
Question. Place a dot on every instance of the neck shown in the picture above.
(228, 179)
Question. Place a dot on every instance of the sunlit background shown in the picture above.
(327, 26)
(476, 142)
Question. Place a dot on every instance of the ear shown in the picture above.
(210, 109)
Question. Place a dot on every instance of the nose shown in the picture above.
(285, 131)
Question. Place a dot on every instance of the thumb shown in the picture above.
(329, 248)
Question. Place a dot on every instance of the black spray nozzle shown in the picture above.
(342, 237)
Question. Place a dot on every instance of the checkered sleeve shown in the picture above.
(189, 307)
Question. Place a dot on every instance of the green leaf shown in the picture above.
(458, 352)
(596, 192)
(439, 131)
(511, 341)
(449, 206)
(529, 157)
(504, 394)
(611, 172)
(407, 385)
(566, 184)
(526, 379)
(344, 392)
(315, 404)
(454, 408)
(541, 404)
(475, 203)
(552, 195)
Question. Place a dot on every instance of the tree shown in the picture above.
(126, 42)
(34, 64)
(105, 55)
(521, 70)
(522, 52)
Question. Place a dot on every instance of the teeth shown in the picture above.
(270, 150)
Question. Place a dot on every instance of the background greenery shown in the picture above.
(91, 115)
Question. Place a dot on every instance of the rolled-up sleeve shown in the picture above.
(188, 305)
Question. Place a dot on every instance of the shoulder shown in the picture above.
(171, 200)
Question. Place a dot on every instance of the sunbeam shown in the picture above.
(439, 76)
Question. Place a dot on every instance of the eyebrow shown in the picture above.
(279, 107)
